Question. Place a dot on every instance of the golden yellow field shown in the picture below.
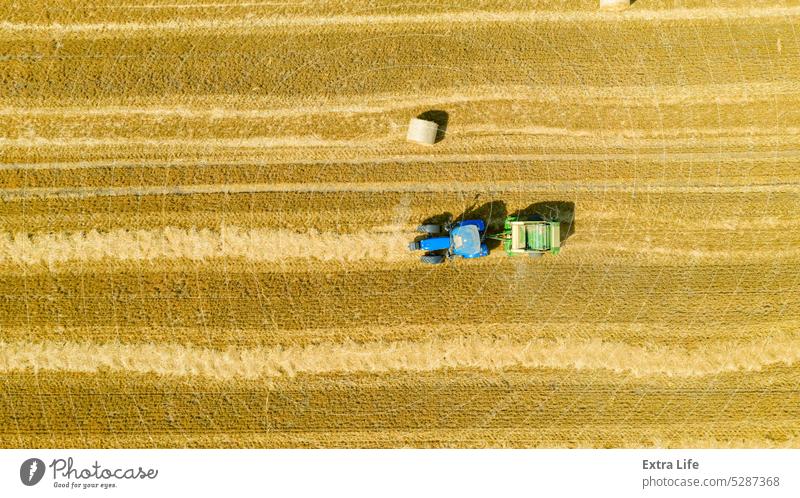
(205, 208)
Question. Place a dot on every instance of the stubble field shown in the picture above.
(205, 207)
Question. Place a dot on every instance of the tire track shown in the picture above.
(248, 107)
(402, 187)
(434, 158)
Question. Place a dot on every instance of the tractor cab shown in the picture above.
(465, 241)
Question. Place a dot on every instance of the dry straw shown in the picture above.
(172, 243)
(472, 352)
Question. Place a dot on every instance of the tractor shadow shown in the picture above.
(440, 118)
(493, 213)
(563, 211)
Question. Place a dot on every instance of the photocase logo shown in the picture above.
(31, 471)
(66, 472)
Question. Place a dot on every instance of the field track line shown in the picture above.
(619, 137)
(251, 142)
(469, 17)
(465, 352)
(221, 106)
(203, 5)
(19, 194)
(632, 333)
(430, 159)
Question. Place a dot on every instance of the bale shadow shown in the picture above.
(440, 118)
(562, 211)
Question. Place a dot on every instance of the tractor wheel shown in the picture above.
(429, 229)
(432, 259)
(535, 254)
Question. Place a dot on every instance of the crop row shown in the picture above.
(582, 407)
(498, 292)
(354, 59)
(347, 212)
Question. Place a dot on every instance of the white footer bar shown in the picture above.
(400, 473)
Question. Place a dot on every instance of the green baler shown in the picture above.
(533, 237)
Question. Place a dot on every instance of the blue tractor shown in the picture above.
(464, 239)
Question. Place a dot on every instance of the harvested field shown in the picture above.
(205, 208)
